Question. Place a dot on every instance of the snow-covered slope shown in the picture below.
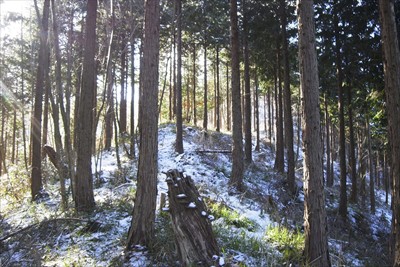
(244, 222)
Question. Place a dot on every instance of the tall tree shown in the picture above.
(247, 93)
(352, 148)
(36, 123)
(392, 88)
(205, 96)
(109, 84)
(217, 92)
(84, 199)
(205, 44)
(237, 148)
(194, 81)
(141, 230)
(279, 164)
(316, 243)
(288, 120)
(179, 120)
(342, 137)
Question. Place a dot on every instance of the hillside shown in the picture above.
(260, 227)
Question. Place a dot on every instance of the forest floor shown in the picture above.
(261, 227)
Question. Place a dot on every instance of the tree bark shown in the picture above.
(329, 175)
(109, 83)
(236, 178)
(123, 104)
(191, 224)
(194, 86)
(362, 157)
(217, 96)
(84, 198)
(352, 148)
(371, 168)
(279, 164)
(228, 101)
(23, 110)
(65, 111)
(247, 93)
(288, 120)
(179, 120)
(257, 112)
(205, 99)
(315, 227)
(141, 231)
(36, 122)
(132, 128)
(342, 137)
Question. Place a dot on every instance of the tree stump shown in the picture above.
(191, 224)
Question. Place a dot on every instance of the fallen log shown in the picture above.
(191, 223)
(214, 151)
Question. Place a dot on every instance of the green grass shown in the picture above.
(164, 249)
(290, 243)
(257, 250)
(231, 217)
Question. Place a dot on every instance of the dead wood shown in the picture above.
(190, 222)
(214, 151)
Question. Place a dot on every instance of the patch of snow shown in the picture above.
(221, 261)
(191, 205)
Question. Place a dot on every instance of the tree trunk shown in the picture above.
(194, 86)
(288, 120)
(362, 157)
(191, 224)
(247, 93)
(84, 199)
(36, 123)
(65, 111)
(316, 243)
(217, 96)
(386, 177)
(187, 99)
(123, 93)
(23, 110)
(205, 99)
(163, 89)
(352, 154)
(228, 101)
(329, 175)
(236, 179)
(132, 130)
(371, 168)
(257, 113)
(179, 120)
(342, 137)
(47, 88)
(270, 114)
(141, 231)
(280, 145)
(78, 87)
(109, 83)
(59, 161)
(14, 149)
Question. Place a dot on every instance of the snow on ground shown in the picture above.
(73, 244)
